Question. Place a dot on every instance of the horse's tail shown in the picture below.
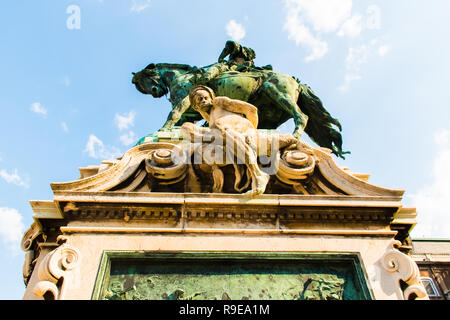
(320, 124)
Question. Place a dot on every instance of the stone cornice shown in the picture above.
(273, 209)
(142, 230)
(228, 199)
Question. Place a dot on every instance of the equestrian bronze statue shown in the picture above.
(278, 97)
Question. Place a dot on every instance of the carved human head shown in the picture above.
(201, 97)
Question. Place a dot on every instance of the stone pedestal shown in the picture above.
(116, 234)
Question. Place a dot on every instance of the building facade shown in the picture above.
(433, 258)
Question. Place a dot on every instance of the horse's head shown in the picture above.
(148, 81)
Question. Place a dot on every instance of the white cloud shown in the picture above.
(128, 138)
(309, 22)
(433, 200)
(324, 15)
(97, 149)
(359, 56)
(356, 57)
(64, 127)
(125, 121)
(36, 107)
(11, 229)
(442, 137)
(139, 5)
(14, 178)
(384, 50)
(235, 30)
(302, 35)
(352, 27)
(349, 78)
(374, 17)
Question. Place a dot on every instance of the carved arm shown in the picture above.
(240, 107)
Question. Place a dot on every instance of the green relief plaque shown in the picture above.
(235, 276)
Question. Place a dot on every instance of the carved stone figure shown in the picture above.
(277, 97)
(237, 122)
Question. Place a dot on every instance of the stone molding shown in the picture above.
(184, 208)
(249, 231)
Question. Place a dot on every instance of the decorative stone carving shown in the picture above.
(227, 157)
(31, 250)
(55, 270)
(233, 125)
(167, 164)
(294, 166)
(406, 272)
(168, 167)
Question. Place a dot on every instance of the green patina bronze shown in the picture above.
(223, 276)
(278, 97)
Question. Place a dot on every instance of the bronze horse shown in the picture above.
(278, 98)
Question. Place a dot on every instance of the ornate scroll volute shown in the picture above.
(295, 165)
(168, 164)
(31, 251)
(406, 271)
(56, 271)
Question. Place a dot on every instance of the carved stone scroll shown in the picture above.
(168, 164)
(295, 165)
(55, 270)
(31, 251)
(406, 271)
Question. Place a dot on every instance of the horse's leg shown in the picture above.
(177, 112)
(287, 102)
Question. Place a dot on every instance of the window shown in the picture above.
(430, 287)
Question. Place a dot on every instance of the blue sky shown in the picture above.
(380, 67)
